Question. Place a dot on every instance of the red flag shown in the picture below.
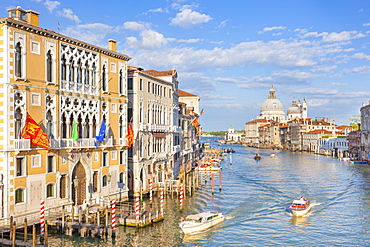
(130, 136)
(33, 131)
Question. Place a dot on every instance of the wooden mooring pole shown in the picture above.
(25, 229)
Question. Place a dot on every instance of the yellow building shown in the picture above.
(65, 85)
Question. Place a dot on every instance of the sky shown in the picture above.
(230, 53)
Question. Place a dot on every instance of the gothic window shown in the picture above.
(49, 67)
(95, 181)
(63, 68)
(18, 60)
(121, 127)
(87, 74)
(18, 123)
(71, 70)
(93, 75)
(87, 128)
(64, 126)
(79, 71)
(121, 88)
(63, 184)
(49, 123)
(104, 79)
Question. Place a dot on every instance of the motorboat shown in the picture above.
(272, 154)
(201, 221)
(214, 167)
(300, 207)
(257, 157)
(345, 158)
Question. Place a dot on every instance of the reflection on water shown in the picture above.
(254, 199)
(300, 221)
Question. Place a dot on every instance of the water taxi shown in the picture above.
(300, 207)
(201, 221)
(257, 157)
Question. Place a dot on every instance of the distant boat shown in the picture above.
(272, 155)
(257, 157)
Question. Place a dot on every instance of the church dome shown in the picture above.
(272, 105)
(294, 108)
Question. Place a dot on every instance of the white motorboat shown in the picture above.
(201, 221)
(300, 207)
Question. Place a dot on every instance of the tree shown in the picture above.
(355, 122)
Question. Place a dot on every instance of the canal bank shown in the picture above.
(255, 197)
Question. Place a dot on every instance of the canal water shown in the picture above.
(255, 198)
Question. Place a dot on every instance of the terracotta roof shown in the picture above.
(320, 131)
(262, 120)
(160, 73)
(186, 94)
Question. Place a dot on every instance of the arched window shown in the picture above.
(93, 74)
(50, 190)
(49, 122)
(18, 60)
(121, 82)
(19, 195)
(49, 67)
(104, 181)
(104, 79)
(95, 181)
(121, 177)
(71, 70)
(63, 68)
(87, 74)
(18, 122)
(63, 184)
(79, 71)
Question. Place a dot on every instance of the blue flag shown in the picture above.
(100, 137)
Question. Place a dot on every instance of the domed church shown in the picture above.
(297, 110)
(273, 109)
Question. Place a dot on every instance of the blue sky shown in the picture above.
(231, 52)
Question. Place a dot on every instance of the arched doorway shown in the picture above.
(79, 184)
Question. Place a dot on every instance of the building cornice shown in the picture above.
(53, 35)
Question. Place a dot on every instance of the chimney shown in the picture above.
(32, 17)
(29, 16)
(112, 44)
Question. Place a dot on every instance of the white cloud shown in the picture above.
(68, 13)
(189, 41)
(149, 40)
(134, 26)
(51, 5)
(269, 29)
(366, 24)
(342, 36)
(333, 37)
(361, 56)
(188, 18)
(157, 10)
(91, 33)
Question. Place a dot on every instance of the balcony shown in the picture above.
(78, 87)
(22, 144)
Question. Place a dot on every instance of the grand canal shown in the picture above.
(255, 198)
